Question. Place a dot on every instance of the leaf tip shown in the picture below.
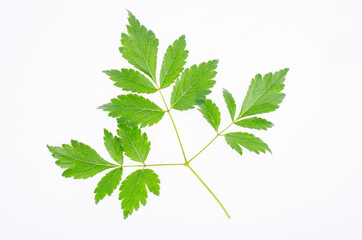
(126, 213)
(214, 62)
(108, 72)
(129, 13)
(101, 107)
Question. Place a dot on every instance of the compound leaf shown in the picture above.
(134, 108)
(79, 160)
(135, 144)
(230, 103)
(131, 80)
(264, 94)
(133, 190)
(246, 140)
(108, 184)
(193, 86)
(113, 146)
(140, 47)
(211, 113)
(173, 62)
(254, 123)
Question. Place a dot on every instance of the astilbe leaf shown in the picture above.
(173, 62)
(134, 108)
(113, 146)
(254, 123)
(193, 86)
(79, 160)
(133, 190)
(139, 47)
(131, 80)
(246, 140)
(264, 94)
(211, 113)
(108, 184)
(135, 144)
(230, 103)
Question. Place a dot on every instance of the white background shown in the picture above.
(52, 55)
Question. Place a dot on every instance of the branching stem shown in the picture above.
(184, 155)
(193, 171)
(210, 142)
(155, 165)
(174, 126)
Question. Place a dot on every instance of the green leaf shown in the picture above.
(246, 140)
(230, 103)
(173, 62)
(113, 146)
(139, 47)
(255, 123)
(135, 144)
(131, 80)
(133, 190)
(234, 145)
(211, 113)
(124, 121)
(193, 86)
(264, 94)
(108, 184)
(79, 160)
(134, 108)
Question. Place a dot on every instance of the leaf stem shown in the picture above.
(178, 137)
(210, 142)
(163, 99)
(203, 183)
(154, 165)
(174, 126)
(184, 155)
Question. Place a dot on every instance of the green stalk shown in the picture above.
(223, 208)
(154, 165)
(183, 153)
(174, 125)
(210, 142)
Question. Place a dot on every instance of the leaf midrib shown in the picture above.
(96, 163)
(111, 177)
(162, 81)
(190, 87)
(241, 115)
